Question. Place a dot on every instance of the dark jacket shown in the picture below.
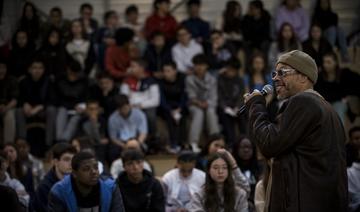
(106, 102)
(35, 92)
(9, 89)
(62, 196)
(9, 200)
(54, 58)
(231, 90)
(307, 145)
(324, 47)
(173, 94)
(40, 199)
(157, 59)
(146, 196)
(70, 93)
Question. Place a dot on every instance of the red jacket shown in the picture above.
(167, 25)
(117, 60)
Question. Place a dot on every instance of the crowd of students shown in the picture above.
(100, 90)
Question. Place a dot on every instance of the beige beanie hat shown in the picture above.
(302, 62)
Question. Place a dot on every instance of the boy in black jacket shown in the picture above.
(139, 189)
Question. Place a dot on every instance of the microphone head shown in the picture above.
(267, 89)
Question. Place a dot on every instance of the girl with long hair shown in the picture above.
(220, 192)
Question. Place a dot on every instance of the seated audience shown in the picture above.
(220, 191)
(8, 99)
(13, 183)
(161, 20)
(117, 165)
(62, 154)
(231, 87)
(184, 50)
(23, 49)
(231, 23)
(293, 13)
(157, 54)
(105, 36)
(56, 21)
(258, 74)
(80, 48)
(89, 23)
(140, 190)
(244, 152)
(214, 142)
(84, 190)
(218, 51)
(173, 105)
(71, 92)
(105, 91)
(30, 22)
(132, 22)
(182, 182)
(336, 84)
(201, 89)
(118, 57)
(124, 123)
(353, 145)
(256, 27)
(316, 45)
(29, 162)
(328, 21)
(199, 28)
(94, 127)
(143, 92)
(36, 101)
(17, 169)
(53, 53)
(286, 41)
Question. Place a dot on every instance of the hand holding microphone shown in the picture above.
(267, 92)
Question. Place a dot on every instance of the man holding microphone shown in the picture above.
(306, 143)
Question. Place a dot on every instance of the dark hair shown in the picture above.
(216, 31)
(318, 6)
(123, 35)
(252, 164)
(212, 138)
(293, 45)
(212, 201)
(19, 172)
(258, 4)
(186, 157)
(29, 45)
(48, 34)
(85, 142)
(231, 22)
(79, 158)
(156, 2)
(60, 149)
(170, 63)
(156, 34)
(92, 101)
(132, 155)
(108, 14)
(193, 2)
(200, 59)
(131, 9)
(353, 129)
(182, 27)
(234, 63)
(338, 70)
(121, 100)
(104, 75)
(56, 9)
(86, 5)
(83, 31)
(140, 62)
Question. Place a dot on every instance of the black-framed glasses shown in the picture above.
(283, 72)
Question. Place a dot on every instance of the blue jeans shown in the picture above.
(336, 34)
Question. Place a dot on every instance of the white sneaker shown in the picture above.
(195, 148)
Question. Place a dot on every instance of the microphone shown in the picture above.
(267, 89)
